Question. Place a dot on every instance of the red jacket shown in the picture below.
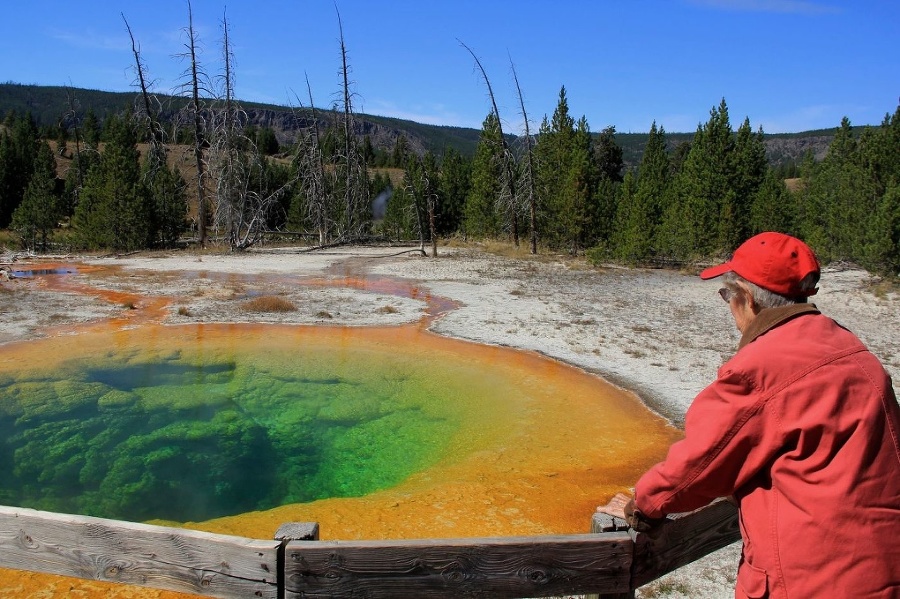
(801, 427)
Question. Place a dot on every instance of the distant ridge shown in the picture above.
(49, 105)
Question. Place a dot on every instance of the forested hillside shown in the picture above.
(160, 172)
(51, 105)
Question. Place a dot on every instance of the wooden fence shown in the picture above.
(609, 562)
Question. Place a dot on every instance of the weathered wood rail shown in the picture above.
(609, 562)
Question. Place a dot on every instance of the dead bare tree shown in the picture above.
(239, 211)
(225, 162)
(312, 175)
(351, 165)
(73, 111)
(151, 108)
(527, 180)
(166, 187)
(193, 85)
(507, 201)
(419, 186)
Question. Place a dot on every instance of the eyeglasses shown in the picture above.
(726, 294)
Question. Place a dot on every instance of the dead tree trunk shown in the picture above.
(157, 152)
(355, 179)
(528, 174)
(240, 210)
(199, 138)
(508, 203)
(70, 97)
(310, 173)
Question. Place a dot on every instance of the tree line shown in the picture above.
(562, 187)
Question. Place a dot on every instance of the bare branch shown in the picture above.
(528, 174)
(507, 202)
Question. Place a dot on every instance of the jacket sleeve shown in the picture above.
(731, 435)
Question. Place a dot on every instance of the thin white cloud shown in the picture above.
(429, 115)
(799, 7)
(808, 118)
(92, 40)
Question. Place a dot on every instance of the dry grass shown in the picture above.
(183, 311)
(268, 303)
(884, 287)
(585, 321)
(387, 310)
(635, 352)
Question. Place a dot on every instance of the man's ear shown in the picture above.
(748, 298)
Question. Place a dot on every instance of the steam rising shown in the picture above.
(379, 204)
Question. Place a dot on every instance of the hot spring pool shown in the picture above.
(227, 424)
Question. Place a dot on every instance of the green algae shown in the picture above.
(208, 423)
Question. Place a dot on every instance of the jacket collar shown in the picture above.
(769, 318)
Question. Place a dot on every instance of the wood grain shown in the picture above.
(495, 567)
(682, 539)
(140, 554)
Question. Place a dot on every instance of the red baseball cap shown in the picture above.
(774, 261)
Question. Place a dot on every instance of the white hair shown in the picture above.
(769, 299)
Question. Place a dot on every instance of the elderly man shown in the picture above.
(801, 427)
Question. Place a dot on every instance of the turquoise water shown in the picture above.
(207, 423)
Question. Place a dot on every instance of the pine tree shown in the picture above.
(748, 168)
(881, 253)
(38, 214)
(773, 207)
(114, 206)
(455, 186)
(583, 216)
(698, 220)
(834, 210)
(481, 216)
(879, 150)
(90, 129)
(555, 178)
(640, 209)
(18, 150)
(609, 155)
(168, 196)
(401, 217)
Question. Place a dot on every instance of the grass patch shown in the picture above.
(323, 314)
(666, 588)
(882, 288)
(183, 311)
(268, 303)
(129, 305)
(387, 310)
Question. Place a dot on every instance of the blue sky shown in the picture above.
(787, 65)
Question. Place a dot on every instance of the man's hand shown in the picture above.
(637, 520)
(622, 506)
(616, 506)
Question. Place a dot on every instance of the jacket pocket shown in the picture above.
(753, 582)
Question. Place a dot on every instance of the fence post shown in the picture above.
(601, 522)
(292, 531)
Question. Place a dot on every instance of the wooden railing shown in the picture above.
(609, 562)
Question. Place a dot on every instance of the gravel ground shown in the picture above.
(661, 334)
